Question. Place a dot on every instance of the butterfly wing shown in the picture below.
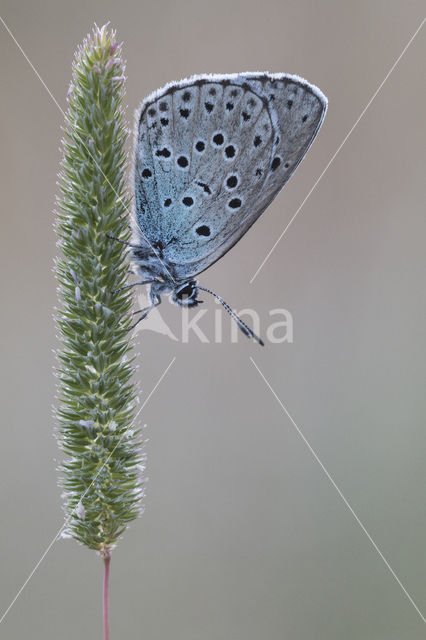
(212, 152)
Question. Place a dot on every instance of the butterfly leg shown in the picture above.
(134, 284)
(128, 244)
(155, 301)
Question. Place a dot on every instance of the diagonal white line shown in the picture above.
(88, 488)
(32, 573)
(32, 67)
(338, 150)
(340, 493)
(81, 140)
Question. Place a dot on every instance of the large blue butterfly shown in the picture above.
(211, 153)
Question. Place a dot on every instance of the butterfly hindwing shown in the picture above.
(211, 154)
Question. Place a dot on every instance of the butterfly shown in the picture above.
(211, 153)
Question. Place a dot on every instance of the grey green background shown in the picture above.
(243, 535)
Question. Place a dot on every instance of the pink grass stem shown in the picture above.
(105, 596)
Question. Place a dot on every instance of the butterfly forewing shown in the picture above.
(211, 154)
(299, 113)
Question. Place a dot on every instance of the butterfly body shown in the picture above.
(211, 153)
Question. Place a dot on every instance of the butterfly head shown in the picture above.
(186, 294)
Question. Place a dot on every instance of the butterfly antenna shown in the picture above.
(241, 324)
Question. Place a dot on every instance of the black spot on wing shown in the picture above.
(203, 230)
(275, 163)
(183, 162)
(205, 187)
(218, 139)
(235, 203)
(230, 151)
(232, 182)
(164, 152)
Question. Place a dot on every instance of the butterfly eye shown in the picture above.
(185, 292)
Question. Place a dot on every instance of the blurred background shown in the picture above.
(244, 536)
